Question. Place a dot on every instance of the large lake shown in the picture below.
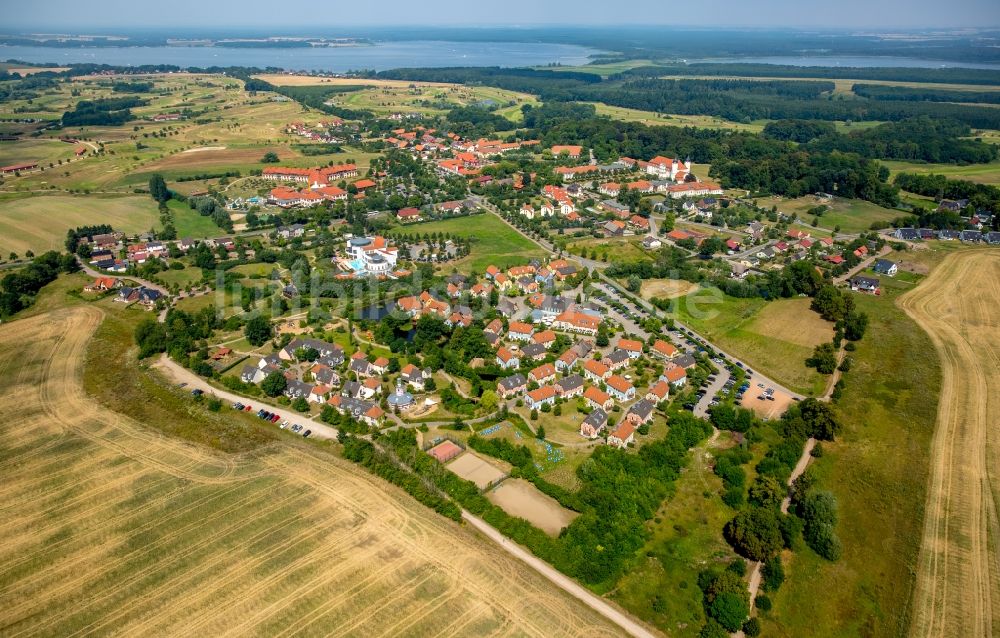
(854, 62)
(379, 57)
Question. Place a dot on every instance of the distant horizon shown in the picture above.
(888, 15)
(310, 30)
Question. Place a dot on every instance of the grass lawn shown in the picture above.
(40, 223)
(433, 99)
(852, 215)
(980, 173)
(190, 223)
(617, 249)
(878, 471)
(686, 537)
(774, 337)
(39, 150)
(652, 118)
(493, 241)
(183, 277)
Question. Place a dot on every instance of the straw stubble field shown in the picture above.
(111, 527)
(957, 574)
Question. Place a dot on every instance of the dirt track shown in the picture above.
(110, 527)
(958, 576)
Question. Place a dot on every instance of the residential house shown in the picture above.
(617, 359)
(506, 307)
(545, 338)
(675, 376)
(622, 435)
(613, 228)
(885, 267)
(507, 359)
(620, 388)
(664, 349)
(651, 243)
(533, 351)
(319, 394)
(631, 346)
(520, 331)
(512, 386)
(865, 284)
(658, 392)
(545, 395)
(596, 371)
(596, 398)
(413, 376)
(252, 374)
(569, 387)
(567, 360)
(595, 422)
(685, 361)
(296, 389)
(543, 374)
(102, 284)
(581, 322)
(324, 374)
(640, 412)
(323, 349)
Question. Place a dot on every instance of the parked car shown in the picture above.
(197, 392)
(307, 433)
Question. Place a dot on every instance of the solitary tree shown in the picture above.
(257, 330)
(274, 384)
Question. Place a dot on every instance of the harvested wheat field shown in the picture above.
(109, 527)
(958, 575)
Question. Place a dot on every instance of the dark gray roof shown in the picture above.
(882, 265)
(513, 381)
(533, 350)
(618, 356)
(360, 366)
(571, 382)
(685, 361)
(642, 408)
(597, 418)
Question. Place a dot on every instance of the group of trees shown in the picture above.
(18, 289)
(180, 334)
(74, 236)
(105, 112)
(980, 196)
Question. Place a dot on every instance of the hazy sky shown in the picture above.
(75, 15)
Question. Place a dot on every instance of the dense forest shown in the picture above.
(739, 160)
(736, 100)
(925, 94)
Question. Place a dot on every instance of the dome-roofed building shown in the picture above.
(400, 398)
